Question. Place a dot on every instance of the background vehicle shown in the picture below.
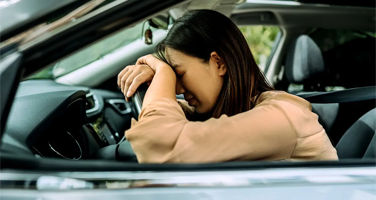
(67, 106)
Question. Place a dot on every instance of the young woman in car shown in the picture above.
(231, 112)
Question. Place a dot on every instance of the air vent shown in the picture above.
(121, 106)
(92, 103)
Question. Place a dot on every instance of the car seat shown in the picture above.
(359, 140)
(305, 65)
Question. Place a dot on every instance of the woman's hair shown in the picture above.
(200, 32)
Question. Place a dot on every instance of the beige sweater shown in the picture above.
(280, 127)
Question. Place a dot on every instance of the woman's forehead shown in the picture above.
(174, 57)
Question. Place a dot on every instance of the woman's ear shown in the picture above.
(220, 65)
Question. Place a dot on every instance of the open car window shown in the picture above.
(349, 58)
(261, 40)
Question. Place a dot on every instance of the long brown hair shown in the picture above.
(200, 32)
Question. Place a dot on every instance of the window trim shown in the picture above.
(273, 50)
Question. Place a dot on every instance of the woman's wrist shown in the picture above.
(164, 68)
(162, 85)
(153, 62)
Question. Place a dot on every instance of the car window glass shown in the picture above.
(92, 53)
(260, 40)
(327, 39)
(349, 58)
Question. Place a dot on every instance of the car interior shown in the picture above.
(78, 114)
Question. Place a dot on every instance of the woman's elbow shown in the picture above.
(155, 158)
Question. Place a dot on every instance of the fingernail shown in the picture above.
(128, 93)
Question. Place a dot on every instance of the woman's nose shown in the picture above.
(179, 87)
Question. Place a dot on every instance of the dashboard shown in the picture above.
(48, 119)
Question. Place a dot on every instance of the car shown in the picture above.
(63, 117)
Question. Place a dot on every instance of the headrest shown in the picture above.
(304, 60)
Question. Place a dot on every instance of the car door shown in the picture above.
(63, 179)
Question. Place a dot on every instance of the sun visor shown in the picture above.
(223, 6)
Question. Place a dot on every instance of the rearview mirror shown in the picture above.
(160, 22)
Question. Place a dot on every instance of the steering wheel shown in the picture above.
(138, 98)
(123, 150)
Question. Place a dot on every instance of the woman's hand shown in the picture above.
(152, 62)
(148, 68)
(132, 76)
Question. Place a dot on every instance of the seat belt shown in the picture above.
(342, 96)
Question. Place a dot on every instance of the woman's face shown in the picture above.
(199, 82)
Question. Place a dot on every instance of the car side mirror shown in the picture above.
(160, 22)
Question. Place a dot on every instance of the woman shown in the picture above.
(232, 112)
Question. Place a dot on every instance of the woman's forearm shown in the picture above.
(162, 86)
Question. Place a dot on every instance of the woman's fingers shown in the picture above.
(141, 60)
(146, 76)
(124, 79)
(137, 81)
(152, 61)
(131, 78)
(121, 74)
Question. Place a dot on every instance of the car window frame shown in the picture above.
(273, 50)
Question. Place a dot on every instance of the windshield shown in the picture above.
(92, 53)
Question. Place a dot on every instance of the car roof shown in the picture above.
(326, 2)
(304, 15)
(341, 3)
(28, 13)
